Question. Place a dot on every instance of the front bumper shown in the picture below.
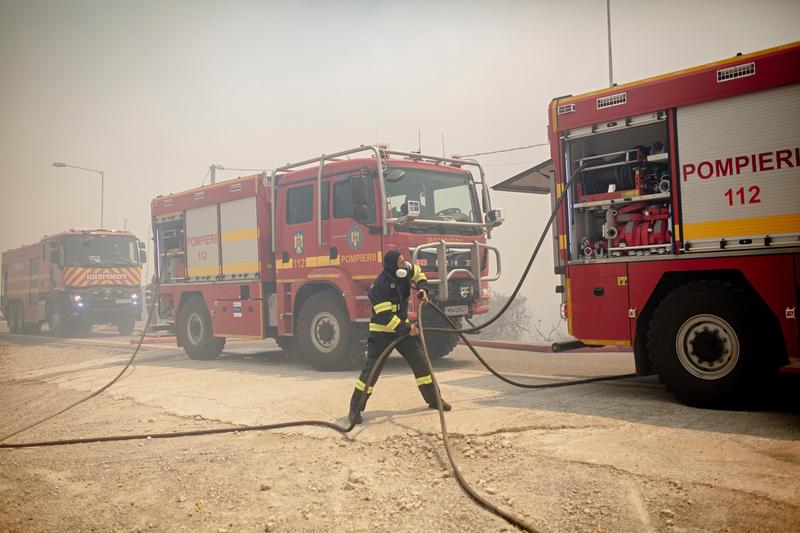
(106, 305)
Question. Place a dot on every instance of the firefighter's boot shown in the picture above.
(445, 406)
(355, 417)
(355, 400)
(425, 384)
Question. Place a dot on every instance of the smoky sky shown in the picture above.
(153, 93)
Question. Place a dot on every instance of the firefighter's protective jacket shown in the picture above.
(389, 298)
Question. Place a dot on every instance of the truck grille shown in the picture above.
(427, 261)
(106, 298)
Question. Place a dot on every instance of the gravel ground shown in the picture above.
(570, 472)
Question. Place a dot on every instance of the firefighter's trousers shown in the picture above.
(411, 350)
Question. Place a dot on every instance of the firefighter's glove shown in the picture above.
(414, 330)
(422, 294)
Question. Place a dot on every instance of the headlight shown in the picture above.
(76, 298)
(135, 296)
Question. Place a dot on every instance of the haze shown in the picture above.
(153, 93)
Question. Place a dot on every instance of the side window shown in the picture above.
(343, 200)
(300, 204)
(34, 270)
(326, 200)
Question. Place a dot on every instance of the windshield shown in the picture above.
(100, 250)
(441, 196)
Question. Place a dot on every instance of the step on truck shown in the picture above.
(72, 281)
(680, 233)
(290, 254)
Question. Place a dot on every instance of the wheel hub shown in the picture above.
(195, 329)
(707, 347)
(325, 332)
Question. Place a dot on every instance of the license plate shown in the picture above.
(452, 310)
(123, 301)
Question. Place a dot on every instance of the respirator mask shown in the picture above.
(402, 272)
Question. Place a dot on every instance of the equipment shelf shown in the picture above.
(629, 199)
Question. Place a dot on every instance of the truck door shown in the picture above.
(356, 244)
(297, 242)
(597, 303)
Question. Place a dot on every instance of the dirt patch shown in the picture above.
(289, 482)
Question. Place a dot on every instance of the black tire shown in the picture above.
(440, 344)
(59, 324)
(195, 333)
(14, 318)
(287, 344)
(125, 326)
(704, 341)
(326, 337)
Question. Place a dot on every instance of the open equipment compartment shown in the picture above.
(620, 204)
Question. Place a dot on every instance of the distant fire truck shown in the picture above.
(72, 281)
(681, 232)
(290, 255)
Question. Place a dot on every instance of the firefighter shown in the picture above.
(389, 295)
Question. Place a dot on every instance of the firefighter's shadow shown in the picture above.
(644, 400)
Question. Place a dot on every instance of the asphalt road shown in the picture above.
(512, 362)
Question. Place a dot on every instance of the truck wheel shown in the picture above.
(287, 344)
(703, 339)
(195, 331)
(325, 336)
(58, 323)
(125, 326)
(440, 344)
(14, 318)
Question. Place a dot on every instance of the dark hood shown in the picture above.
(390, 262)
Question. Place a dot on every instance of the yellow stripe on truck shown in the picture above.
(742, 227)
(240, 235)
(239, 268)
(203, 270)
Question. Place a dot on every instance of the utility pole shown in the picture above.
(610, 66)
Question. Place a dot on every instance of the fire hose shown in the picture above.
(453, 329)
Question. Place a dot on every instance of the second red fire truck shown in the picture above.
(680, 233)
(290, 255)
(73, 280)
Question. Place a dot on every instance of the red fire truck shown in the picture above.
(290, 255)
(72, 281)
(681, 231)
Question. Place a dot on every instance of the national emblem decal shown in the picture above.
(355, 238)
(298, 242)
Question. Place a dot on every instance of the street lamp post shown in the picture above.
(102, 183)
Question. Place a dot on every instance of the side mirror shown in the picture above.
(141, 245)
(496, 217)
(142, 256)
(359, 189)
(361, 213)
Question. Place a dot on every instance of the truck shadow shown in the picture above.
(774, 414)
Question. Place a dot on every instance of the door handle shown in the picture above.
(598, 291)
